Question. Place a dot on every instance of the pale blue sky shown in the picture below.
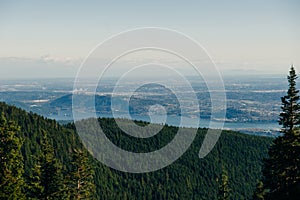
(243, 35)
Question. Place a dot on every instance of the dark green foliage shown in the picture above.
(49, 169)
(11, 161)
(46, 181)
(290, 115)
(187, 178)
(47, 152)
(282, 168)
(80, 181)
(35, 189)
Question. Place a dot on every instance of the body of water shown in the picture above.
(186, 122)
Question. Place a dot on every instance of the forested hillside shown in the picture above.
(239, 155)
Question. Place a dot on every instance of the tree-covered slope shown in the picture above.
(187, 178)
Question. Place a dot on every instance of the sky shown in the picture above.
(52, 38)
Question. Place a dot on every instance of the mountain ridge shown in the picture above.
(187, 178)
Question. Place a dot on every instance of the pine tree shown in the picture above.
(35, 188)
(282, 168)
(81, 179)
(11, 161)
(47, 175)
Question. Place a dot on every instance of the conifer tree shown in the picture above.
(282, 168)
(81, 178)
(48, 173)
(11, 161)
(35, 188)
